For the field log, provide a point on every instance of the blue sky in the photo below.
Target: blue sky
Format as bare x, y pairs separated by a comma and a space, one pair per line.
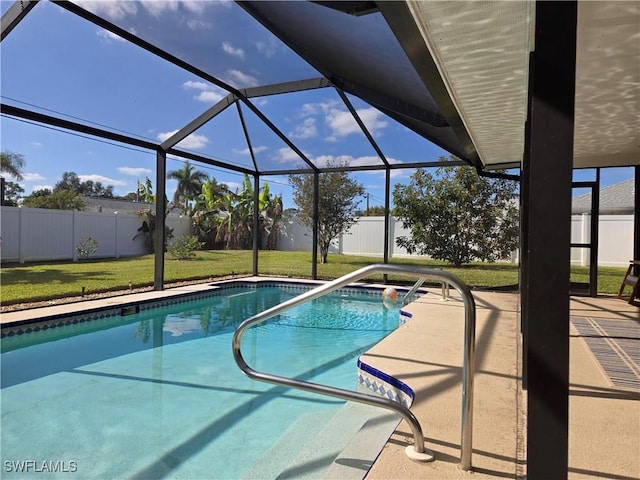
56, 63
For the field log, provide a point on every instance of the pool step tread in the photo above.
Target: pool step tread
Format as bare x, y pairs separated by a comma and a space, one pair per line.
355, 460
278, 457
318, 441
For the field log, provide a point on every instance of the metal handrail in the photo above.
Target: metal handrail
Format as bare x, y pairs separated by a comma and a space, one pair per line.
413, 290
468, 355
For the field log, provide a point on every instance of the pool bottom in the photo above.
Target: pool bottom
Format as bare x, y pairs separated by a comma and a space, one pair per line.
169, 401
173, 412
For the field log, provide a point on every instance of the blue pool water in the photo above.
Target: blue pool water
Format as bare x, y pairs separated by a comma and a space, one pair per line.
158, 395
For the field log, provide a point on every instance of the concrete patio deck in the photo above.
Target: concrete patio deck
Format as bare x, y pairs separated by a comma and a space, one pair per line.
604, 431
426, 354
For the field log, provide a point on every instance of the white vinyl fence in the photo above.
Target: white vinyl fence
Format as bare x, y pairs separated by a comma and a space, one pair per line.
615, 239
33, 234
37, 234
366, 237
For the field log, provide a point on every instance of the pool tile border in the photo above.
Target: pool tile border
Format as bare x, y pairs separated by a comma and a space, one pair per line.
384, 385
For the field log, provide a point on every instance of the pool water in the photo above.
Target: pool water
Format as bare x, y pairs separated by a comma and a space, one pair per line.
158, 394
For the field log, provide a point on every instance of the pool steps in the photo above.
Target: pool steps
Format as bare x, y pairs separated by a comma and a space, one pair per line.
332, 444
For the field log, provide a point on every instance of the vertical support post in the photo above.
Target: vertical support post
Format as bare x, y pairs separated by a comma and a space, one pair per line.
585, 237
256, 221
387, 188
524, 231
314, 247
548, 170
2, 191
636, 219
594, 239
161, 200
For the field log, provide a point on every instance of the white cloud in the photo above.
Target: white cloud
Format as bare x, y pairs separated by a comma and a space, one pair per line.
36, 144
197, 85
208, 93
268, 48
239, 79
372, 119
134, 171
197, 24
341, 122
210, 96
246, 151
102, 179
231, 50
112, 10
32, 177
119, 9
285, 155
192, 142
108, 36
307, 129
158, 8
324, 160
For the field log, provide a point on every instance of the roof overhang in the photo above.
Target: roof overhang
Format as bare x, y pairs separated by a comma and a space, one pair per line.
482, 53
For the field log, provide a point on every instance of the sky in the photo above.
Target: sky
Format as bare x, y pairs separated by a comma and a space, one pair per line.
56, 63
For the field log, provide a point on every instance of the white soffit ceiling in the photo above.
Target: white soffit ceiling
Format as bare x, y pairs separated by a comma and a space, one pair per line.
482, 48
607, 130
482, 52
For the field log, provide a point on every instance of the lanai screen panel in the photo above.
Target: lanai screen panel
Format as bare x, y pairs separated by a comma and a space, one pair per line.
73, 78
218, 38
361, 56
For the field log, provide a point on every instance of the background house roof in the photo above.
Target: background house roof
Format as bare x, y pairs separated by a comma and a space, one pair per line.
614, 200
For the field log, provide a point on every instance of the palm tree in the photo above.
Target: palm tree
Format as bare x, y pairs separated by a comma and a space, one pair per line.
12, 163
189, 186
206, 210
271, 212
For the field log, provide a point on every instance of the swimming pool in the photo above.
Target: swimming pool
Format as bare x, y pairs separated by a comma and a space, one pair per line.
156, 394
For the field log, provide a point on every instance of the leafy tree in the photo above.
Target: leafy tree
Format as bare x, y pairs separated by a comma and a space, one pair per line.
458, 216
337, 203
12, 194
374, 211
88, 188
189, 186
12, 164
56, 200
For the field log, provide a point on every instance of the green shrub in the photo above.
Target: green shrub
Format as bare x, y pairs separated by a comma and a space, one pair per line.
86, 246
183, 247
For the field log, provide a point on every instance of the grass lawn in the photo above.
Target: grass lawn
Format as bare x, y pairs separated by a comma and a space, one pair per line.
47, 281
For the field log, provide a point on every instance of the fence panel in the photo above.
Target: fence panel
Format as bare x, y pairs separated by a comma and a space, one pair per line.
33, 234
10, 234
46, 234
37, 234
615, 240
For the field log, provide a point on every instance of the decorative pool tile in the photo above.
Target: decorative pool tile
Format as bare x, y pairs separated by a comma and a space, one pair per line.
384, 385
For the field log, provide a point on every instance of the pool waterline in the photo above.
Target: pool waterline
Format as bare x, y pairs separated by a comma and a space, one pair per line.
142, 374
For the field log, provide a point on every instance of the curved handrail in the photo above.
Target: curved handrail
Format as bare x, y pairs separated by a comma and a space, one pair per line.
468, 357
